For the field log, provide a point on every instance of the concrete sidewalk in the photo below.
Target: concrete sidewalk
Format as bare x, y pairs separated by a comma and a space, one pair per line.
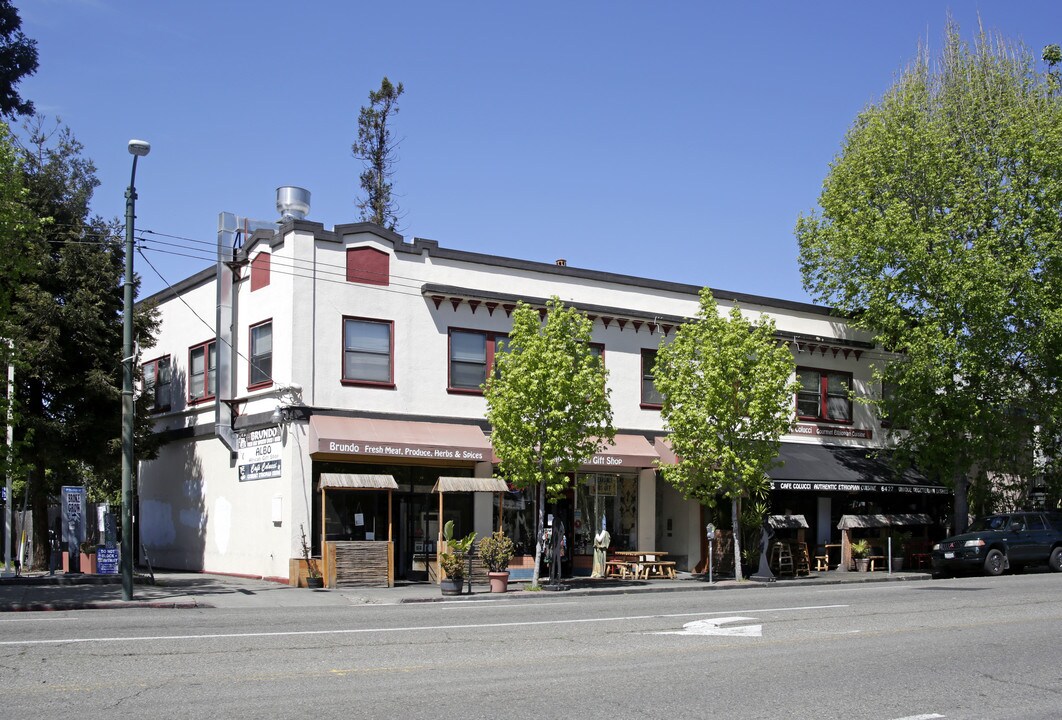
185, 590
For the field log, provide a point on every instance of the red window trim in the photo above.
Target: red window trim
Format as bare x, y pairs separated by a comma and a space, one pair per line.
250, 356
208, 394
824, 397
492, 340
343, 355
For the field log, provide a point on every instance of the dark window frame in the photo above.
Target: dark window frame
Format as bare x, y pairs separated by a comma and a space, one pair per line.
255, 362
491, 341
390, 383
647, 374
153, 385
207, 386
824, 396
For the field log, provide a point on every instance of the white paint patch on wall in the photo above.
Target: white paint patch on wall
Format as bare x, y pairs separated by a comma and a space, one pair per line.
222, 524
156, 524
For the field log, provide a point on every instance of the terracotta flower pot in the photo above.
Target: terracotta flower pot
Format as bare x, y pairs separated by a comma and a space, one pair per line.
499, 581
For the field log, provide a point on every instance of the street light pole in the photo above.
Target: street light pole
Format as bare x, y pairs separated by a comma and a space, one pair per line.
138, 149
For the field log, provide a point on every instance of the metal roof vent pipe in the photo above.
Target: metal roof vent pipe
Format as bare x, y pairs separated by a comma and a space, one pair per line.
293, 203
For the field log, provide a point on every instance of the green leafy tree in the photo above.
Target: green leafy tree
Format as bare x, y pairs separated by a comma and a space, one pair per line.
18, 59
939, 231
67, 326
376, 148
547, 404
728, 391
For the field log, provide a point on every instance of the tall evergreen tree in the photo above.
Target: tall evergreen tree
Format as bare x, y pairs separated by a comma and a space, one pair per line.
18, 59
67, 326
940, 232
376, 148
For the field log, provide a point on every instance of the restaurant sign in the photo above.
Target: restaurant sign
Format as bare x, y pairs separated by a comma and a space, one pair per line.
862, 487
259, 454
832, 431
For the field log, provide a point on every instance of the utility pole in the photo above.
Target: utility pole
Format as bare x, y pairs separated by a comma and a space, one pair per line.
138, 149
8, 572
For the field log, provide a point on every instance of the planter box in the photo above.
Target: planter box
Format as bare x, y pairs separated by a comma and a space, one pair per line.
88, 563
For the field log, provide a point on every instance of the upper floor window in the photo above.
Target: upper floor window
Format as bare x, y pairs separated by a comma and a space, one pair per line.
261, 356
651, 397
260, 270
824, 395
368, 265
367, 351
202, 371
157, 383
472, 356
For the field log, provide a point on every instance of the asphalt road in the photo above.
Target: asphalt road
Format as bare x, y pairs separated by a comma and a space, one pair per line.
964, 648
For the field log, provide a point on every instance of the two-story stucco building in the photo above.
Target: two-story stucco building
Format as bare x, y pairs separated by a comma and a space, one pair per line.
323, 381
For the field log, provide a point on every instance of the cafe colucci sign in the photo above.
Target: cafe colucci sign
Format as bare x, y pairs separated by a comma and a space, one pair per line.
861, 487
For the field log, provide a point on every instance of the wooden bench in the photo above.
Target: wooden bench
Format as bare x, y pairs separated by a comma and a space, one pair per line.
618, 568
876, 556
658, 568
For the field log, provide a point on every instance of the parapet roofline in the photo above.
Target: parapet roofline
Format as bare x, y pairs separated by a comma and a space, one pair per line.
420, 246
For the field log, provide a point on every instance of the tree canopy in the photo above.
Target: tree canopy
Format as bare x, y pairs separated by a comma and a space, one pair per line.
728, 389
939, 230
18, 59
66, 323
376, 148
547, 403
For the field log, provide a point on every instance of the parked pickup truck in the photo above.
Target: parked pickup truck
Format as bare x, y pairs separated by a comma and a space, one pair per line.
1008, 541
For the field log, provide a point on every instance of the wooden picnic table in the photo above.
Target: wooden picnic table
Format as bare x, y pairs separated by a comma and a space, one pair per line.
647, 564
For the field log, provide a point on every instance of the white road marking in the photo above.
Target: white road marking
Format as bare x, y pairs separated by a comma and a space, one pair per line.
711, 627
414, 628
928, 716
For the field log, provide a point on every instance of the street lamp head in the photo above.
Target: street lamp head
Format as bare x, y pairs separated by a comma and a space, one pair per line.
140, 148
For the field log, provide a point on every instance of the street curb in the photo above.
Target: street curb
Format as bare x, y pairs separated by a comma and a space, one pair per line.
104, 605
695, 585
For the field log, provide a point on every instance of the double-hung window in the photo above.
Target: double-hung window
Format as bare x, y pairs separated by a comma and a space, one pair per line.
651, 397
261, 372
472, 356
202, 371
157, 383
824, 395
367, 351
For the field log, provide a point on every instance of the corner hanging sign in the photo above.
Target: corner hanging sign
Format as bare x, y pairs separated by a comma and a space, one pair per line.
259, 454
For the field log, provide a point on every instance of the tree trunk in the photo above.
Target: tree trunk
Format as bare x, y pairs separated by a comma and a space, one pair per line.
539, 529
735, 511
962, 504
39, 505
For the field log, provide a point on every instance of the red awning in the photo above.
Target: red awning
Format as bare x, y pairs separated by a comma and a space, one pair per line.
628, 452
397, 439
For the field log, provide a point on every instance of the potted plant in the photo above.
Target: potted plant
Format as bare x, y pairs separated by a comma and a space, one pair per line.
860, 551
453, 560
496, 551
88, 557
313, 572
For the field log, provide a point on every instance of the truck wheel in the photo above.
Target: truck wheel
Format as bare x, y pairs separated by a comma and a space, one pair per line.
994, 562
1055, 561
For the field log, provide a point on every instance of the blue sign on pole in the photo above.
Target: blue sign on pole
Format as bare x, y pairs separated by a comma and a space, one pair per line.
107, 561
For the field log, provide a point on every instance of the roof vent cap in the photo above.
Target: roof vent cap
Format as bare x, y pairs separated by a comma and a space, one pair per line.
293, 203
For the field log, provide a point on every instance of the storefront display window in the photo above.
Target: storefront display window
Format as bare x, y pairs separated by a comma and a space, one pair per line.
611, 497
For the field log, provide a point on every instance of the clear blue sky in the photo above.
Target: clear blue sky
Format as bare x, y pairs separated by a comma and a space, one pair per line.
672, 140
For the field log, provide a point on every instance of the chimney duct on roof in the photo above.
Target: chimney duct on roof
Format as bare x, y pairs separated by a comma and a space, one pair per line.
293, 203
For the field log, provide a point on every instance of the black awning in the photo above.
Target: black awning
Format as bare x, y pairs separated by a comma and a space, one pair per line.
829, 468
